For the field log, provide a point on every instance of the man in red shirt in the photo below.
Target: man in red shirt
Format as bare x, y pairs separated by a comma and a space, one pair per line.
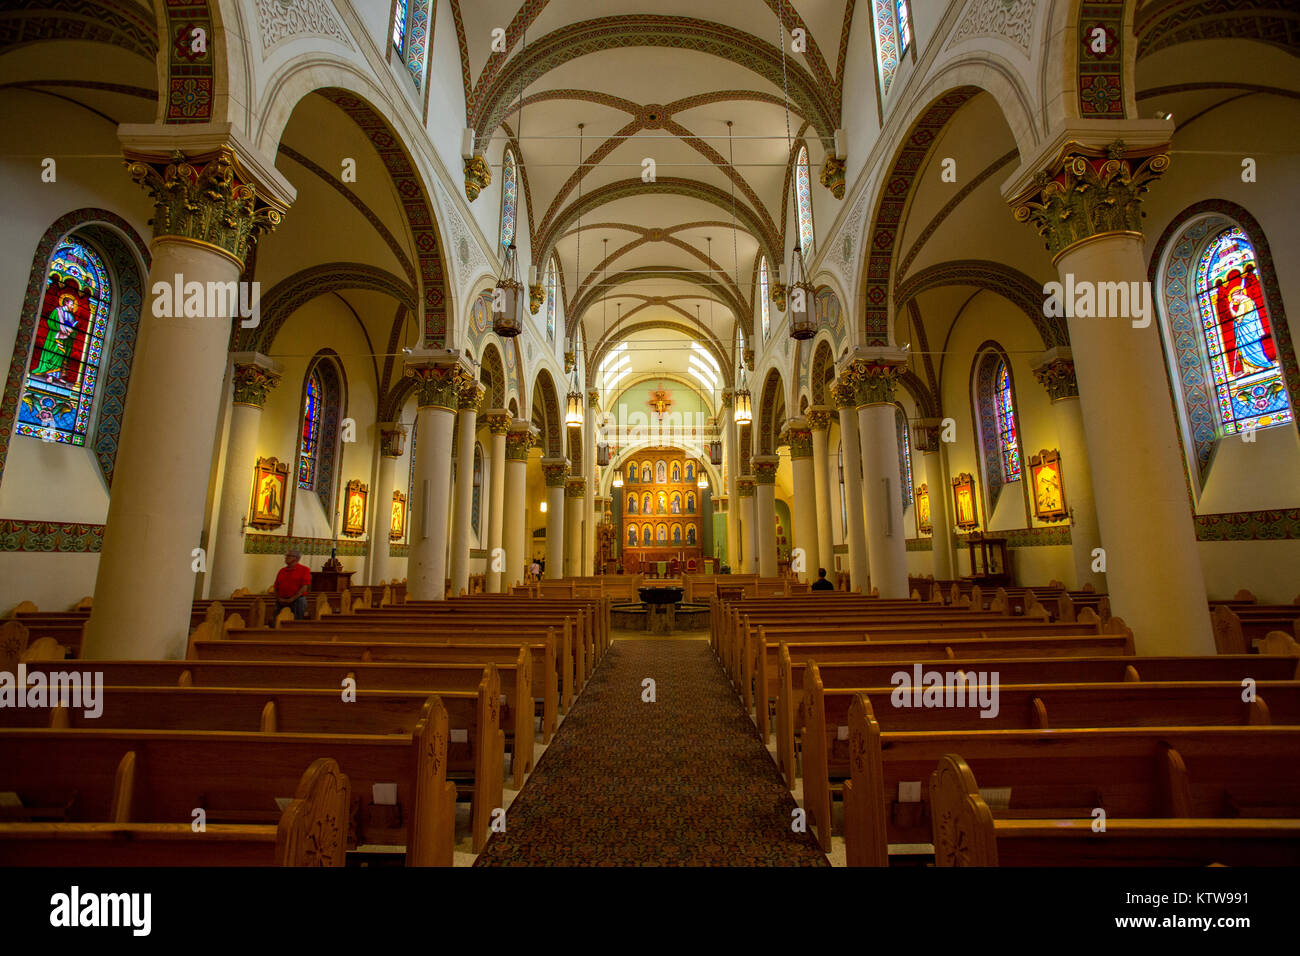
292, 583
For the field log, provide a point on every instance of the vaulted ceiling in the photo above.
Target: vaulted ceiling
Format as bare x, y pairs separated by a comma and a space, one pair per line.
698, 89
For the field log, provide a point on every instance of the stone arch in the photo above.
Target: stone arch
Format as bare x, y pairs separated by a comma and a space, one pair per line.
492, 373
616, 334
822, 373
126, 255
1006, 281
546, 413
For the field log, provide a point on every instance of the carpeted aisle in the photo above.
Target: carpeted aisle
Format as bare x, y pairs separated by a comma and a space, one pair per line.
681, 781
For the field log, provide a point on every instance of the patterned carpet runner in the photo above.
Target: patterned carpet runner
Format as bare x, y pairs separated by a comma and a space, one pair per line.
682, 781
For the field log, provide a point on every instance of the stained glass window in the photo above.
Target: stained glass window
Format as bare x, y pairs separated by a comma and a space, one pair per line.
1008, 439
399, 28
551, 296
904, 455
904, 25
1248, 385
887, 48
309, 441
803, 192
68, 341
417, 40
476, 508
509, 198
762, 297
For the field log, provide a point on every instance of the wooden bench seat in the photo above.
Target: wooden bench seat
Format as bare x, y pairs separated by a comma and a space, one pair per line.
968, 833
236, 776
1129, 772
308, 833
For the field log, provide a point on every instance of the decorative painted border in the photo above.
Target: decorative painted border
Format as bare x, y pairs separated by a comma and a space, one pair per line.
1100, 76
126, 269
1281, 525
279, 543
1025, 537
191, 76
50, 536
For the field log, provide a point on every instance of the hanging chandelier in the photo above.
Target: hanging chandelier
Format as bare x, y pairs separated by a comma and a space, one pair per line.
744, 409
744, 413
618, 479
703, 482
715, 452
508, 297
573, 403
799, 290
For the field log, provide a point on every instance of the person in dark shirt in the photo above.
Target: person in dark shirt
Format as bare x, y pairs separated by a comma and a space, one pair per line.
292, 583
821, 584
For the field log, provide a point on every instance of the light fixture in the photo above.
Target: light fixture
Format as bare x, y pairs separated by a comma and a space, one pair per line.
715, 452
703, 481
508, 298
602, 454
744, 410
543, 507
573, 401
618, 479
802, 324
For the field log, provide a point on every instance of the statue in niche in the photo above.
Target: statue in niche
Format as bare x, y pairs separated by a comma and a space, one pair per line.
677, 504
690, 504
645, 473
690, 471
677, 472
662, 536
645, 536
663, 503
631, 504
631, 536
677, 534
661, 473
690, 535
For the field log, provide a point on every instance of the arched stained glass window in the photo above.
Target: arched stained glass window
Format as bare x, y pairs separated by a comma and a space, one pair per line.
762, 297
888, 50
1248, 385
399, 28
68, 341
417, 38
904, 25
509, 198
309, 440
1008, 439
803, 195
904, 455
552, 294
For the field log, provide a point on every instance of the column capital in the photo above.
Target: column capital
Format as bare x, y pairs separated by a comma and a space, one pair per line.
536, 296
765, 469
254, 376
593, 399
832, 175
1087, 192
555, 471
800, 437
745, 486
873, 374
497, 420
575, 487
520, 439
210, 187
1055, 370
728, 396
471, 396
819, 417
925, 434
439, 377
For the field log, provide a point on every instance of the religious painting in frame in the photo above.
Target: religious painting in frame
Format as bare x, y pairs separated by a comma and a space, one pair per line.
397, 524
1048, 486
923, 522
963, 500
354, 508
270, 476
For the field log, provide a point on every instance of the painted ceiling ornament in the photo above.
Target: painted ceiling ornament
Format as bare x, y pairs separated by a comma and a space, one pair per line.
536, 296
1092, 192
478, 176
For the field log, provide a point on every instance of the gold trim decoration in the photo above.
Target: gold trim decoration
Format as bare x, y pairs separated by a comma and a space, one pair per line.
478, 176
964, 484
397, 520
252, 384
355, 497
832, 176
1057, 376
270, 485
873, 383
438, 386
1048, 486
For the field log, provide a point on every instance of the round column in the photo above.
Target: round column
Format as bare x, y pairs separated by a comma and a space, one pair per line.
498, 423
468, 401
254, 376
587, 533
519, 441
439, 378
731, 465
806, 532
392, 442
573, 503
874, 374
765, 512
1089, 210
207, 215
819, 421
555, 471
745, 526
925, 438
859, 569
1056, 373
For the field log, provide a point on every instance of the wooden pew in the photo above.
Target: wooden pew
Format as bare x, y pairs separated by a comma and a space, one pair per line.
968, 833
310, 832
476, 762
1130, 772
542, 655
846, 673
234, 776
515, 677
